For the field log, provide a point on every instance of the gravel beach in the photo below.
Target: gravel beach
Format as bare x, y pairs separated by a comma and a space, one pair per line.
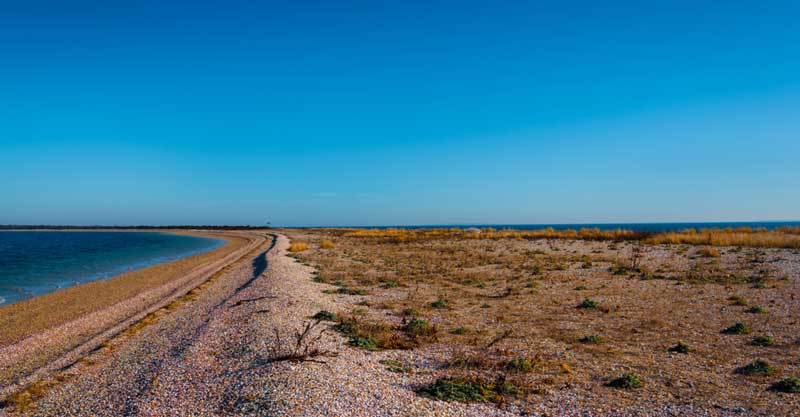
226, 349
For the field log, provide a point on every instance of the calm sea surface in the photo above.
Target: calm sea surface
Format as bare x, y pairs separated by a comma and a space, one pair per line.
35, 263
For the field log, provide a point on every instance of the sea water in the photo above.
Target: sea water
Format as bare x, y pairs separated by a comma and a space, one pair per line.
37, 262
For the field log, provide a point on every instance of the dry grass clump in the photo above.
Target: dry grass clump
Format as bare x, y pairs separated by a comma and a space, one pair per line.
326, 244
708, 252
785, 237
298, 247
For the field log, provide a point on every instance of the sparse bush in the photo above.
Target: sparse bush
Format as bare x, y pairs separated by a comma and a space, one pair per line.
519, 364
411, 312
298, 247
680, 348
737, 328
763, 341
325, 316
588, 303
418, 327
757, 309
591, 339
788, 385
440, 303
366, 343
326, 244
460, 330
626, 381
618, 269
758, 367
737, 300
395, 366
468, 390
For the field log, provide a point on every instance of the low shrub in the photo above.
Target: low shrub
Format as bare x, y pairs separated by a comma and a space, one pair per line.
763, 341
460, 330
468, 390
419, 327
737, 300
591, 339
325, 316
680, 348
626, 381
756, 309
737, 328
363, 342
788, 385
758, 367
519, 364
298, 247
326, 244
588, 303
440, 303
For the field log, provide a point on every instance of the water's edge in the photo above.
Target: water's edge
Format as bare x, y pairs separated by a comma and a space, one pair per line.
38, 289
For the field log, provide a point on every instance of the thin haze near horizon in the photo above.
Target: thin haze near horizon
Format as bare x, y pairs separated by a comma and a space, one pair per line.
365, 113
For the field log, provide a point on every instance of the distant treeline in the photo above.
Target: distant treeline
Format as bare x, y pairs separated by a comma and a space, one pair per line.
185, 227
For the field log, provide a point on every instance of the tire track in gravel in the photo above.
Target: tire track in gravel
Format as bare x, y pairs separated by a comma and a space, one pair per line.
118, 379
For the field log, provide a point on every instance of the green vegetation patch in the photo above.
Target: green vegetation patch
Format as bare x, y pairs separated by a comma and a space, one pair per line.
468, 390
440, 303
395, 366
626, 381
591, 339
788, 385
756, 309
763, 341
737, 328
519, 364
418, 327
325, 316
588, 303
366, 343
758, 367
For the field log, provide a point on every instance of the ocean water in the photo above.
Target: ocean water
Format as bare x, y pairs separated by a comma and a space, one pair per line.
34, 263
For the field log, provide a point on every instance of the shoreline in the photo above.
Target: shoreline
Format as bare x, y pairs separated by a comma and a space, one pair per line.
52, 330
114, 272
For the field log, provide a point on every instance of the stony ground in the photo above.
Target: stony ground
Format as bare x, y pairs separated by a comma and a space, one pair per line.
211, 357
233, 349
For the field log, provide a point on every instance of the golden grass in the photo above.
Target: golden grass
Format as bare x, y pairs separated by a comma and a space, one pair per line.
298, 247
410, 235
785, 237
326, 244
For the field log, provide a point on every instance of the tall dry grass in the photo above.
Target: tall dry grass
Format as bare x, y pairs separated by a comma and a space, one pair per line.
784, 237
410, 235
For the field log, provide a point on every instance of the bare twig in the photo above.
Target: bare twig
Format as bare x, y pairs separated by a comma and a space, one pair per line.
248, 300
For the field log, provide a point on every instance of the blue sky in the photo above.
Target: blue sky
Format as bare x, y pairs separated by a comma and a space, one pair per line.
369, 113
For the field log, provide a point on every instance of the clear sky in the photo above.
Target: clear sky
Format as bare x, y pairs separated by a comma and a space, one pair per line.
429, 112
